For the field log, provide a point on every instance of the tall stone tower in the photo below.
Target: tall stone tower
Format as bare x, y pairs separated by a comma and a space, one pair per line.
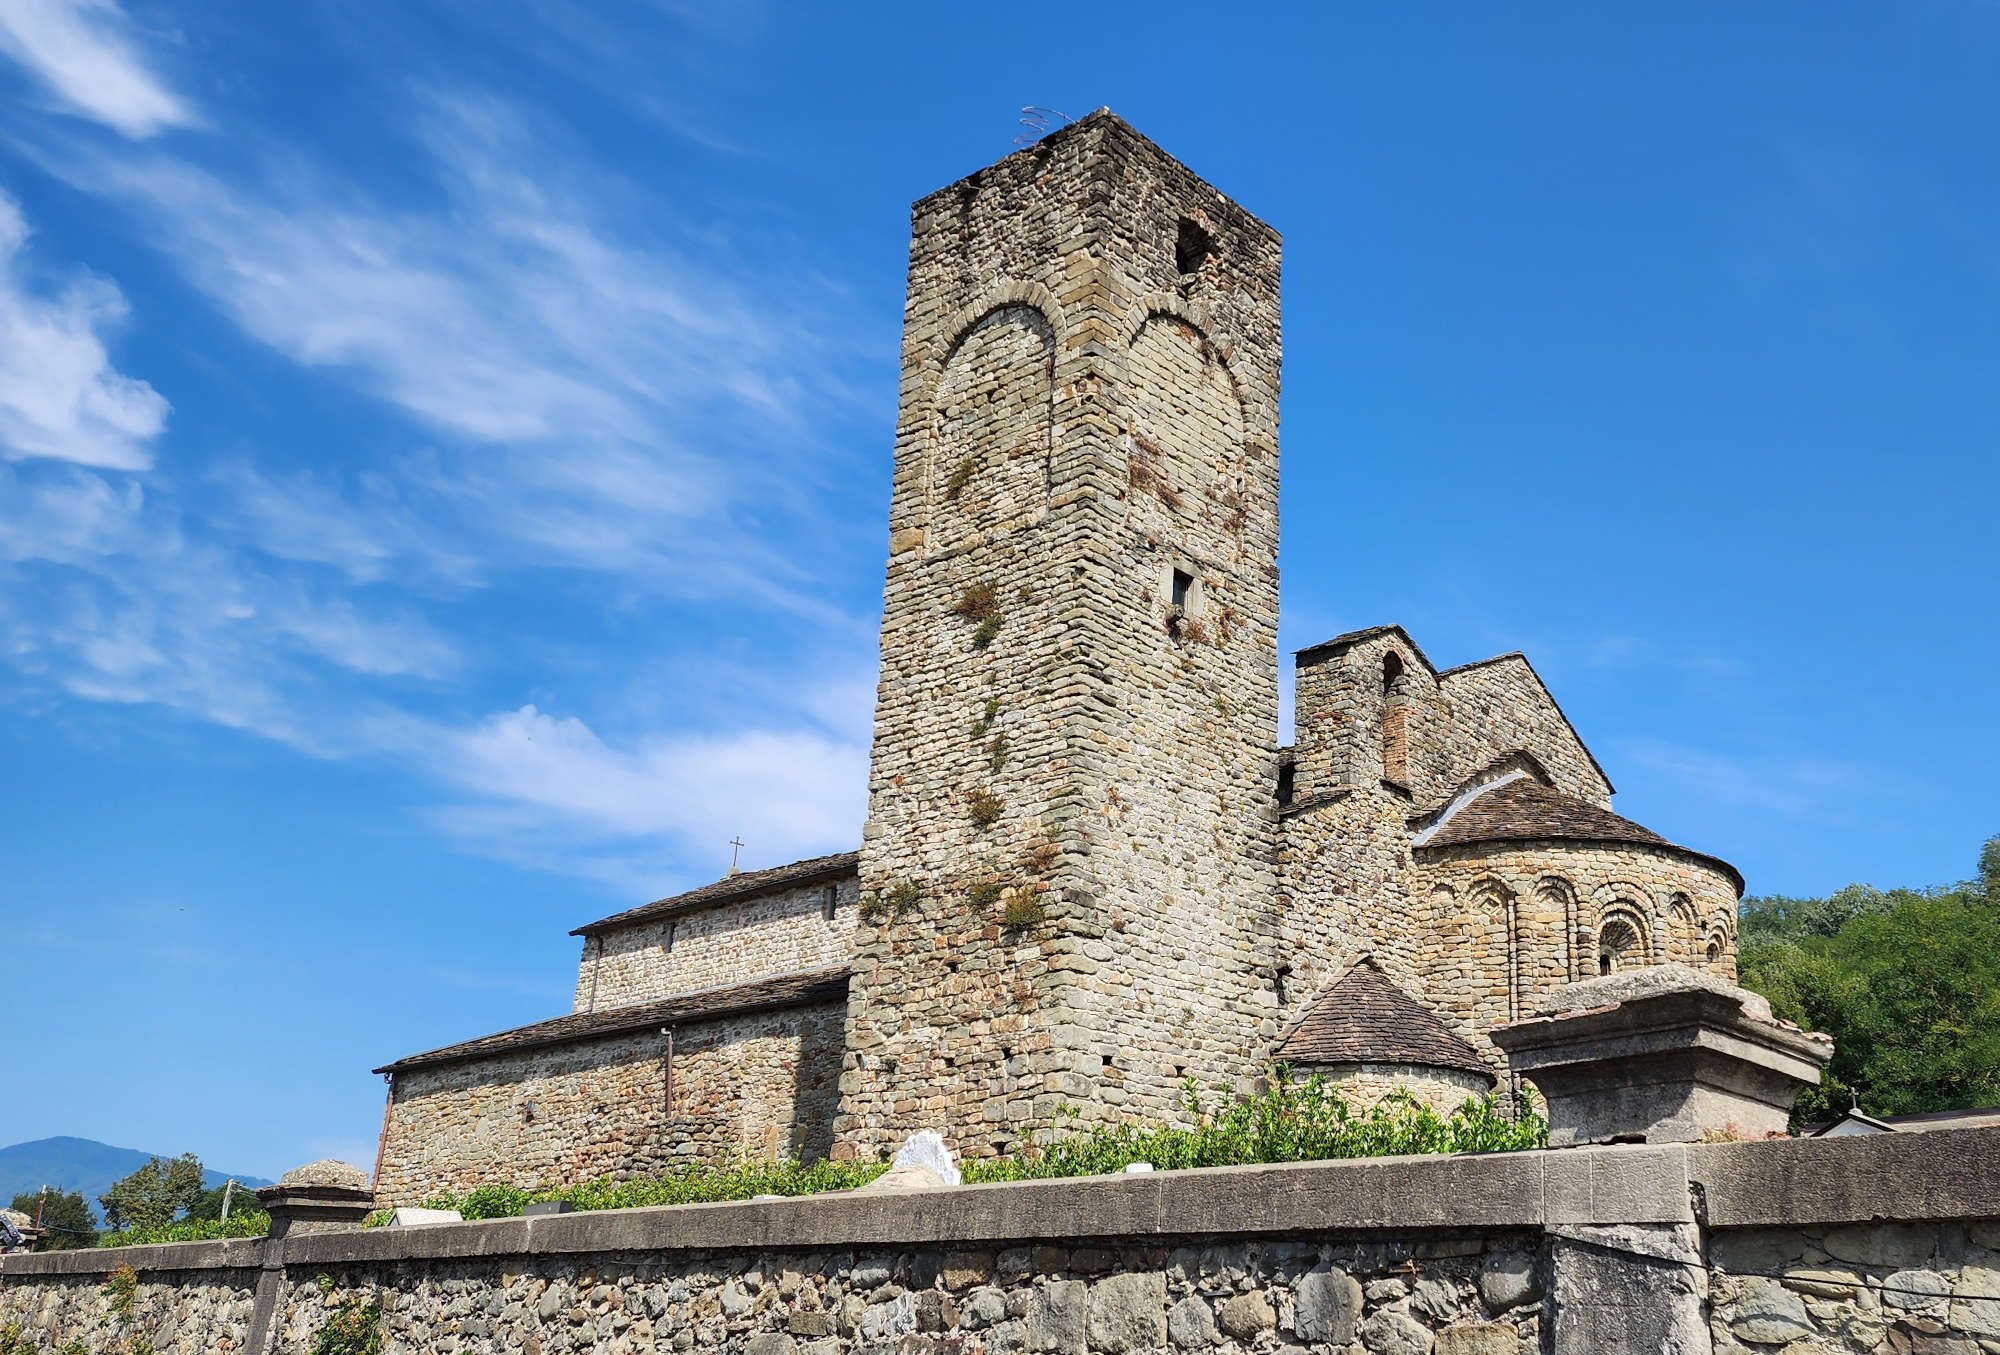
1070, 851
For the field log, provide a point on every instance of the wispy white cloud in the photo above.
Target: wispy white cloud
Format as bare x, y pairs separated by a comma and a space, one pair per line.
82, 52
590, 382
60, 396
549, 792
600, 401
107, 596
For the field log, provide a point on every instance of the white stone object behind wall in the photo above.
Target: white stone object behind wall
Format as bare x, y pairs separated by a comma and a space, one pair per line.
926, 1148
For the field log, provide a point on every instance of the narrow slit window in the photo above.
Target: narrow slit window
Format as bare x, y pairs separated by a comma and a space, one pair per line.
829, 903
668, 944
1183, 588
1191, 247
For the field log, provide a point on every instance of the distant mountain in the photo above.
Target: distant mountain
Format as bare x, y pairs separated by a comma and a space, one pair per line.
82, 1164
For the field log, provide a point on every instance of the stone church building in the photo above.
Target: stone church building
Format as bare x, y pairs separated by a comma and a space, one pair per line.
1089, 870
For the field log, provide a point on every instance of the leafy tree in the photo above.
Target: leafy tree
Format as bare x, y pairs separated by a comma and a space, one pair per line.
208, 1205
1774, 917
65, 1214
1906, 982
155, 1195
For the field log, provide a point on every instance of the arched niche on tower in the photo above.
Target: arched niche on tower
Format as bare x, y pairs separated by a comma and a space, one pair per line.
990, 445
1183, 436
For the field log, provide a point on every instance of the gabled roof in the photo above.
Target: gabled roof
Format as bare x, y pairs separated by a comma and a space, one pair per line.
1354, 637
1520, 809
1448, 674
744, 885
786, 990
1366, 1018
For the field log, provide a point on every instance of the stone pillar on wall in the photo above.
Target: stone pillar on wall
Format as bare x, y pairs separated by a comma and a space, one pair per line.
320, 1197
1663, 1054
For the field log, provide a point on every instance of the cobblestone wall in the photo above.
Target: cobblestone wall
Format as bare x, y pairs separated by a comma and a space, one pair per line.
1070, 841
760, 1085
169, 1313
719, 946
1906, 1289
1445, 1295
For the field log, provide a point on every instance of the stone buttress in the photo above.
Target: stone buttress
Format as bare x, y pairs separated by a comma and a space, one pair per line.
1070, 851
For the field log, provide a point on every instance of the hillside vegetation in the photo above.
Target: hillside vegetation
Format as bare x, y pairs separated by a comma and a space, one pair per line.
1906, 981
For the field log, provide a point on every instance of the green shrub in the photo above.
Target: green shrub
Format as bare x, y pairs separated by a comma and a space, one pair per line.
1292, 1122
354, 1329
985, 808
687, 1185
961, 476
248, 1223
122, 1288
1023, 911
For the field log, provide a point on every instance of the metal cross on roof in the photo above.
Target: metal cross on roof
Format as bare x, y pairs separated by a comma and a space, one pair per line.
736, 845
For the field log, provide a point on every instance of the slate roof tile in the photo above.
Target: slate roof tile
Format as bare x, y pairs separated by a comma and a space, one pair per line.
1367, 1018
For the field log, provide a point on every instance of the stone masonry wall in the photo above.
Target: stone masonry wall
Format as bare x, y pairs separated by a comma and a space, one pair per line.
759, 1085
1888, 1245
1475, 931
1494, 706
1904, 1289
195, 1312
1459, 721
1070, 840
718, 947
1448, 1295
1508, 922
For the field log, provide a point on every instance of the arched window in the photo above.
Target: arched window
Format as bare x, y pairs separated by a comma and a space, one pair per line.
1620, 945
1395, 720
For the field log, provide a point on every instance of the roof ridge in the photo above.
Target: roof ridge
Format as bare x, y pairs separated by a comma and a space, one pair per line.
744, 884
791, 989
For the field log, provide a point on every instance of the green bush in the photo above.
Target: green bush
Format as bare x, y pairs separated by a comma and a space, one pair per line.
1292, 1122
244, 1223
686, 1185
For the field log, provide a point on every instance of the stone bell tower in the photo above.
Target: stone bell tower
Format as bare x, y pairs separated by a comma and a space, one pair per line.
1070, 852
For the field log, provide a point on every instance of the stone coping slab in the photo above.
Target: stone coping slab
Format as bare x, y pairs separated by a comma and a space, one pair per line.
234, 1253
1947, 1174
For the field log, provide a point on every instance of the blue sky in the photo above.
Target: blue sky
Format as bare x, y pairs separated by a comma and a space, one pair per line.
444, 451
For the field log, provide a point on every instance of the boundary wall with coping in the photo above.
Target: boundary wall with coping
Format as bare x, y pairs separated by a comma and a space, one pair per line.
1863, 1244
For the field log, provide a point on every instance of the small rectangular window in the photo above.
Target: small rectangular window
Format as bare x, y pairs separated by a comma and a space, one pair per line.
668, 944
1183, 586
830, 902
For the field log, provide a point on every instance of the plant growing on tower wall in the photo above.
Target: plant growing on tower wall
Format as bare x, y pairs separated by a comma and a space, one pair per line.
902, 896
984, 808
1023, 910
980, 603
